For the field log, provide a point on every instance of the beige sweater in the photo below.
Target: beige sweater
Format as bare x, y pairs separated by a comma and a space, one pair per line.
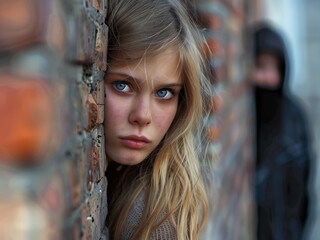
165, 231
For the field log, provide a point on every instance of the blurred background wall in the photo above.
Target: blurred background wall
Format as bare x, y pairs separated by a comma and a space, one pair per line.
226, 24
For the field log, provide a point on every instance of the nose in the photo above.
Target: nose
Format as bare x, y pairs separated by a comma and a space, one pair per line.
140, 113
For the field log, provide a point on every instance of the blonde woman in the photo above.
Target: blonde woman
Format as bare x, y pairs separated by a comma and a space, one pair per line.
156, 96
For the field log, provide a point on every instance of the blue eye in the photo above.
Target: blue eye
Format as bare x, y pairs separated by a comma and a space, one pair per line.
164, 94
122, 87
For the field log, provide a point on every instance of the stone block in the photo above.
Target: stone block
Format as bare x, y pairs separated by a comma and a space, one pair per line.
96, 10
101, 47
94, 212
92, 112
80, 33
100, 118
98, 95
84, 39
96, 155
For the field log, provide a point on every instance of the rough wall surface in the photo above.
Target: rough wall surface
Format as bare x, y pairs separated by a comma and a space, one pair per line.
52, 160
231, 129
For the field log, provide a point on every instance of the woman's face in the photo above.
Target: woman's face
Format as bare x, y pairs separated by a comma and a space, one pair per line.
140, 105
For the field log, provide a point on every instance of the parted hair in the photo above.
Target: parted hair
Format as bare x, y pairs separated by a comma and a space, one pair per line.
140, 29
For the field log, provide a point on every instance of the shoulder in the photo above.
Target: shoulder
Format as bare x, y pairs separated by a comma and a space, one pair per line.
294, 116
293, 108
165, 231
134, 216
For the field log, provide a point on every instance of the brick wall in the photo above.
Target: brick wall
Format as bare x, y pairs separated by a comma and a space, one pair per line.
52, 160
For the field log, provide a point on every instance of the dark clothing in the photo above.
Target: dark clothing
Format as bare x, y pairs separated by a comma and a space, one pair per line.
282, 163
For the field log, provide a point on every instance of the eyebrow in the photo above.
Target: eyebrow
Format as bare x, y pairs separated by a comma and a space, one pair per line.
124, 75
170, 85
165, 85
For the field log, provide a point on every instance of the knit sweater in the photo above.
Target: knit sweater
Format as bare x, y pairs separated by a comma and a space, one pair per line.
165, 231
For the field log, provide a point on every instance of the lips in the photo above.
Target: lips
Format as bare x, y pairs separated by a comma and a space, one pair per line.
135, 142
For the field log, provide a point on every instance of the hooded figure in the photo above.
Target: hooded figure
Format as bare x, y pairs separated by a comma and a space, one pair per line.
282, 163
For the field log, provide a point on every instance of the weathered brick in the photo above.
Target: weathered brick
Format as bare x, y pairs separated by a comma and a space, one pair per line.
100, 5
22, 23
92, 111
97, 159
101, 47
94, 212
80, 33
98, 95
100, 117
26, 118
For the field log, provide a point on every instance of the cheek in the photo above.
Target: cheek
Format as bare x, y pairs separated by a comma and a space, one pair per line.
163, 119
114, 112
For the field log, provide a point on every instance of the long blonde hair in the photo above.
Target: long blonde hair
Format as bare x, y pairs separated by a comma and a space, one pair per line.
171, 174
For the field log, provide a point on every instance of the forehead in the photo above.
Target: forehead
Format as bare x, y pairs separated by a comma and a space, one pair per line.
163, 67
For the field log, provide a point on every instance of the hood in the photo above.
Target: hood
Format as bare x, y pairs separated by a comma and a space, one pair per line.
269, 102
267, 39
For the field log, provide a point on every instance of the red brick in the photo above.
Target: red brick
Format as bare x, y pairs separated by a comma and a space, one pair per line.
92, 113
22, 22
26, 119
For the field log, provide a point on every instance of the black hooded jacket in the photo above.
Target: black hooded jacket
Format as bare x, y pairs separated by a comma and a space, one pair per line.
282, 162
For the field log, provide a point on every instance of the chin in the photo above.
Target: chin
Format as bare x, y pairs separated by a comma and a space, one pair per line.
129, 162
130, 159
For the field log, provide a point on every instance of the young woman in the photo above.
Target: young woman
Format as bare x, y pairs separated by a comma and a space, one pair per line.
156, 96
